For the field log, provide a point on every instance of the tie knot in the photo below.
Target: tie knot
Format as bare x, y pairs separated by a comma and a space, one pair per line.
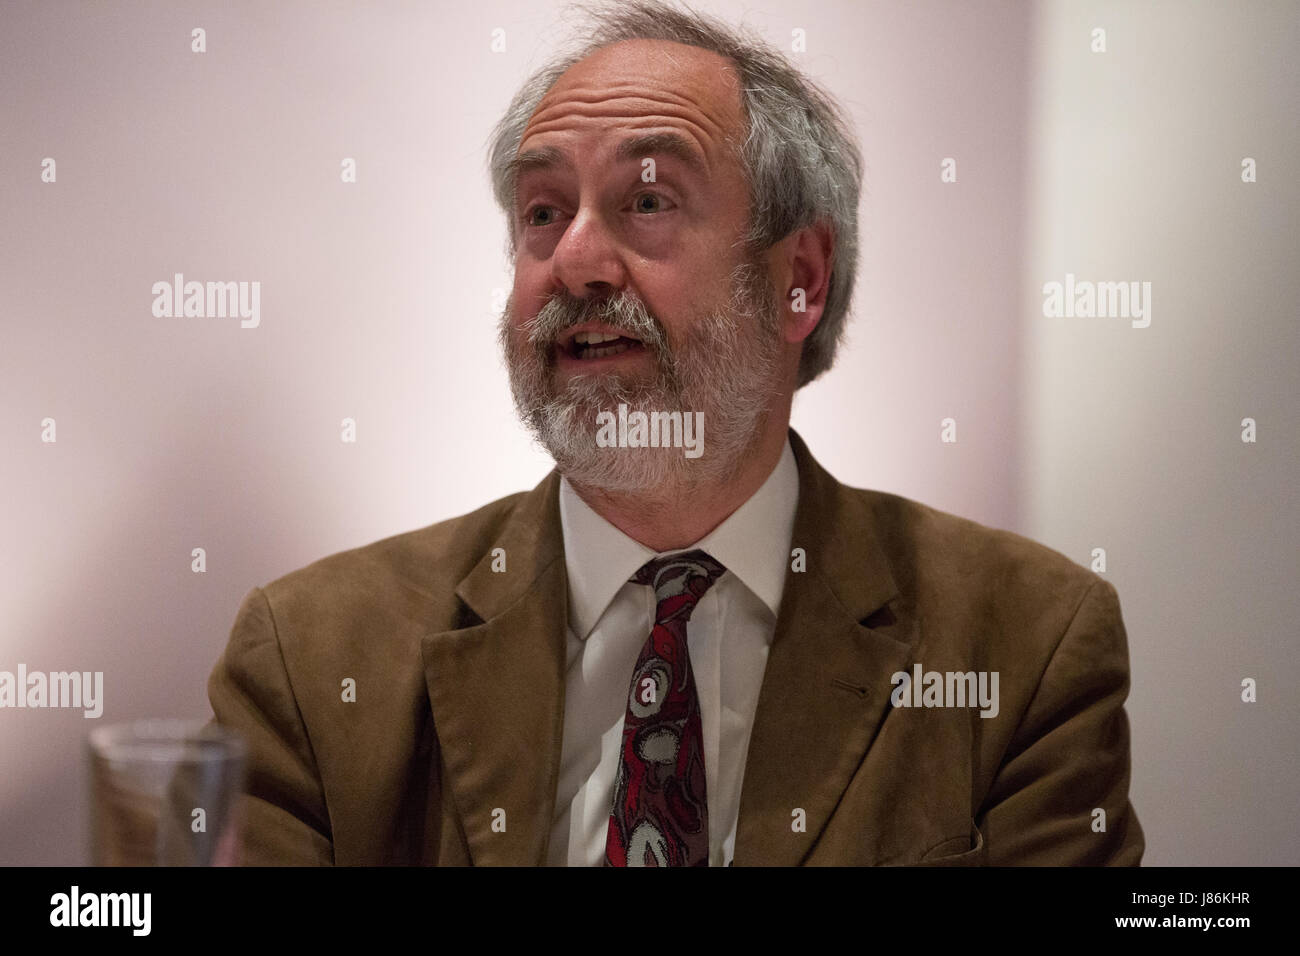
680, 577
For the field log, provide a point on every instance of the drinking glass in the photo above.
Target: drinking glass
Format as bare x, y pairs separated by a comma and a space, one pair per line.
165, 793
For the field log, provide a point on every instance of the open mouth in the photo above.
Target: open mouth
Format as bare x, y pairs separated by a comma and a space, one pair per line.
586, 346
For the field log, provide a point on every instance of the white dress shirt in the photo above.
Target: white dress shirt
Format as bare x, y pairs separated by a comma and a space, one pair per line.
728, 637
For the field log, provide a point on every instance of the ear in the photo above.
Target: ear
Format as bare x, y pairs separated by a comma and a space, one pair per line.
801, 267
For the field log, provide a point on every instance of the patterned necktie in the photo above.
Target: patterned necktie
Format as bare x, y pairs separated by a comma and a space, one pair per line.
660, 815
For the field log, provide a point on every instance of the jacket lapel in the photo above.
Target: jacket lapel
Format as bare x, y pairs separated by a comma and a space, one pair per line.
497, 687
827, 683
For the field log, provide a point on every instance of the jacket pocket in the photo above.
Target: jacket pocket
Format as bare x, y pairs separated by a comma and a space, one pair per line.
959, 851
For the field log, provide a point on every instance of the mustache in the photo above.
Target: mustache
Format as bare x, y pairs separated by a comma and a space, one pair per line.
624, 311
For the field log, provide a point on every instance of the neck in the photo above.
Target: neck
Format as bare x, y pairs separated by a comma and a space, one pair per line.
661, 523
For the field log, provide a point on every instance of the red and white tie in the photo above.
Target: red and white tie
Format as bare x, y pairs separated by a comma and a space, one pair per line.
660, 815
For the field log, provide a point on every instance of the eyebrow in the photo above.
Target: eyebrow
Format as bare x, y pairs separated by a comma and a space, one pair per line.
667, 144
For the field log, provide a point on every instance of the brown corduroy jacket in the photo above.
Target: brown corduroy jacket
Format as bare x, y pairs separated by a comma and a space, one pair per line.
449, 754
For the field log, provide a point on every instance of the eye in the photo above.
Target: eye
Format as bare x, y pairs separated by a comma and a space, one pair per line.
548, 216
656, 203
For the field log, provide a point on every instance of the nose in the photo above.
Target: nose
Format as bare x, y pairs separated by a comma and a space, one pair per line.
587, 260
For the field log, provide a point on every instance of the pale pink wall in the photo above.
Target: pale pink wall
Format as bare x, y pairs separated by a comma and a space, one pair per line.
377, 304
1132, 436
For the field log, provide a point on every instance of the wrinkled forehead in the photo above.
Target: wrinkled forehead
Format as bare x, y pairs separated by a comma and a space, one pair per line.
645, 82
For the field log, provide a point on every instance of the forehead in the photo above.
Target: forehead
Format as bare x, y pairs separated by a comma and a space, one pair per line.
643, 84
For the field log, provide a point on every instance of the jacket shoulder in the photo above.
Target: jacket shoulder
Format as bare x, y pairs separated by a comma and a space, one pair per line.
412, 574
943, 558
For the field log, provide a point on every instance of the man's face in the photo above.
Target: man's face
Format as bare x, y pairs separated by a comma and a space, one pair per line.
603, 251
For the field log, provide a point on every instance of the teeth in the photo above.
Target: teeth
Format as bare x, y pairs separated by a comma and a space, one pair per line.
609, 350
595, 338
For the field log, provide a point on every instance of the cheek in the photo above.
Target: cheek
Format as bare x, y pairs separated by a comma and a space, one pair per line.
530, 278
676, 297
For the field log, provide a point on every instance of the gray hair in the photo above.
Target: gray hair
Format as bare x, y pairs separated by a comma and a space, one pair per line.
799, 159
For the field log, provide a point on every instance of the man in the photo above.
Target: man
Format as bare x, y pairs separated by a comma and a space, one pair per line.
689, 645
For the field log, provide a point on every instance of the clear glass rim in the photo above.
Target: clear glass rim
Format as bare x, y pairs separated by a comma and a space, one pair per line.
157, 739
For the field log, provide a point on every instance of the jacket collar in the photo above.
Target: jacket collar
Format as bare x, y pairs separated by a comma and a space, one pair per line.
497, 687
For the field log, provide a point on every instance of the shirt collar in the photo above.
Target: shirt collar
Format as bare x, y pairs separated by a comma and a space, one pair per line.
753, 543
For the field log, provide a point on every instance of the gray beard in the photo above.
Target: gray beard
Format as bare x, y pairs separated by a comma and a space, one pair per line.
726, 369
